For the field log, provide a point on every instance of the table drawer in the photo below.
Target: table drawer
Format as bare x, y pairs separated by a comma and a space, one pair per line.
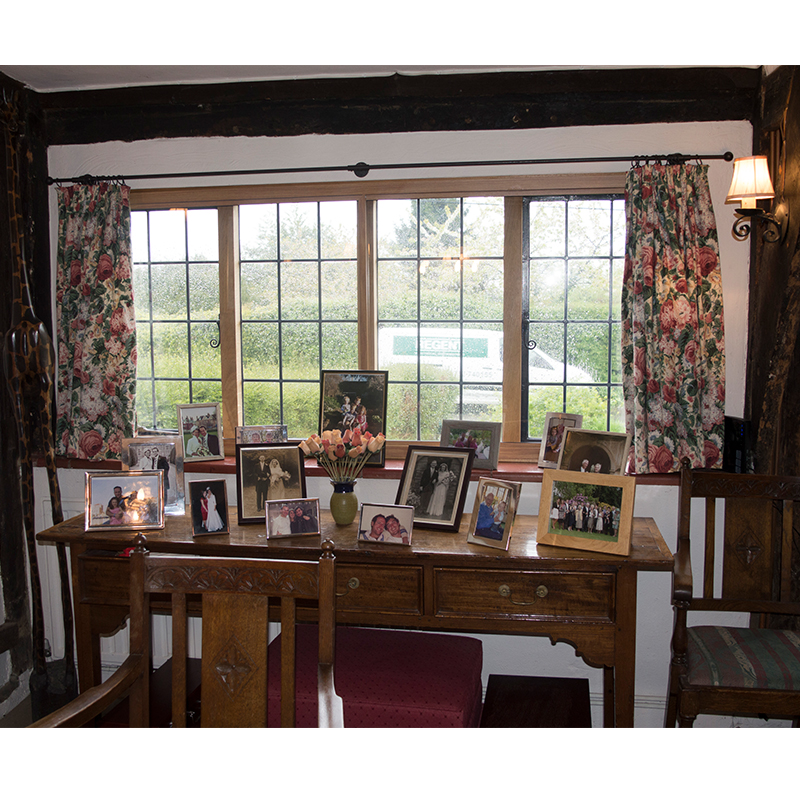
500, 593
376, 588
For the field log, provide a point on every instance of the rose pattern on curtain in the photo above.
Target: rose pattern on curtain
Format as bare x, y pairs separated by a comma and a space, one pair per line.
673, 342
96, 376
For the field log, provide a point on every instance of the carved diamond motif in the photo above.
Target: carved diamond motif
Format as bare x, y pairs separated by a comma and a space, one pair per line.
233, 666
748, 548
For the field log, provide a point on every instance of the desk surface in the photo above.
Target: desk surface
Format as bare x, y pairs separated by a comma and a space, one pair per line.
649, 552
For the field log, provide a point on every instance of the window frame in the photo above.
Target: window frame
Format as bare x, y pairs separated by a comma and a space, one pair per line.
513, 188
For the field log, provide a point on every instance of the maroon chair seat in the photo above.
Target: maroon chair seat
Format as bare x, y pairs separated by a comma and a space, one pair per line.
387, 679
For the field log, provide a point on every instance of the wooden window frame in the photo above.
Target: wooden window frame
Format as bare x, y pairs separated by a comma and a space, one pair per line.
227, 199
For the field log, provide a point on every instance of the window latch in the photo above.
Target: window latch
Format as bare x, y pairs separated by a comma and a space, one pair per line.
526, 328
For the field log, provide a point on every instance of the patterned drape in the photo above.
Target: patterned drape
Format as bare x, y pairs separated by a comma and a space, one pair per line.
96, 380
673, 345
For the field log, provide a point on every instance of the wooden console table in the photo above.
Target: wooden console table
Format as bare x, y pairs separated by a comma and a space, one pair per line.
440, 582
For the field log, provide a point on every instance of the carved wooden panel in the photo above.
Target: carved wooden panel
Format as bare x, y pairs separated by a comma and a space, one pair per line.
750, 526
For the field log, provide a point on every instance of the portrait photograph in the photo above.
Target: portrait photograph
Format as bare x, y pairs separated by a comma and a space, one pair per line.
603, 452
208, 501
292, 517
435, 481
267, 472
586, 511
482, 437
555, 427
200, 427
132, 500
164, 453
355, 401
385, 524
261, 434
493, 515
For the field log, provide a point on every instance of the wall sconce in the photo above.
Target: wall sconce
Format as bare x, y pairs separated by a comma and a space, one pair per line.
750, 183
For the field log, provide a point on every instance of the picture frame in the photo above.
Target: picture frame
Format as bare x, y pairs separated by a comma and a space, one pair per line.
355, 399
555, 424
600, 452
139, 497
293, 518
483, 437
560, 523
208, 506
427, 469
396, 531
164, 452
258, 479
261, 434
494, 512
200, 426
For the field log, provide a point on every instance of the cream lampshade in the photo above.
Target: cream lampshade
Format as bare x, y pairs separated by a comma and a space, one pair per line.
750, 182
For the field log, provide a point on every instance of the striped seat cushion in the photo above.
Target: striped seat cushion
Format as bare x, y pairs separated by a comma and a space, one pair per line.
744, 658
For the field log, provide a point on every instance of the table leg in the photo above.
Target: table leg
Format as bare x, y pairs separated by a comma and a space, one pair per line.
625, 648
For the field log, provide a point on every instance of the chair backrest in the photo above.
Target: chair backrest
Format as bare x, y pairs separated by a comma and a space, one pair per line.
755, 568
235, 596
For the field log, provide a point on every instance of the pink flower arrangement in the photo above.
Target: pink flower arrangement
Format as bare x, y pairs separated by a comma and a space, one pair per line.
342, 455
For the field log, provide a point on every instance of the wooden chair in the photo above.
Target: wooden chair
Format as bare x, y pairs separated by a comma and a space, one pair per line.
235, 597
717, 669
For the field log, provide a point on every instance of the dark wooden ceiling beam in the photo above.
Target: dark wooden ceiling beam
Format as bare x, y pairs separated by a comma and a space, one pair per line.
399, 103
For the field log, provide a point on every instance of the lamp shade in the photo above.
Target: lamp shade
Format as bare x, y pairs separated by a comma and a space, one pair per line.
751, 181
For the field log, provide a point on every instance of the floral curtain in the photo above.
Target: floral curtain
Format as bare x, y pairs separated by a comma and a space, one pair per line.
96, 379
673, 345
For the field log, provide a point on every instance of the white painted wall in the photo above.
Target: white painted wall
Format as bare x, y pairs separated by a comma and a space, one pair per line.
502, 654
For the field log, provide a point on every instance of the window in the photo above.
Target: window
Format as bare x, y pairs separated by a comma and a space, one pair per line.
574, 250
430, 287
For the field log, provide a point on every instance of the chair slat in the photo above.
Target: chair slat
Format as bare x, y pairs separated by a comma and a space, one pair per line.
179, 660
288, 656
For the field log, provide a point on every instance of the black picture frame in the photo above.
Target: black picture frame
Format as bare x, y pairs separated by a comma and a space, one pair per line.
420, 479
369, 386
254, 488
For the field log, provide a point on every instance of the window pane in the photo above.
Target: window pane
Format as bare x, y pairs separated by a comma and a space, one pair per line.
589, 228
541, 400
440, 289
397, 228
338, 235
402, 404
258, 232
547, 282
618, 210
587, 353
168, 286
205, 357
437, 403
397, 290
483, 289
298, 230
482, 402
484, 219
339, 290
203, 234
440, 228
171, 350
167, 236
300, 350
397, 351
259, 291
547, 228
592, 402
301, 408
168, 395
588, 289
260, 359
140, 275
262, 403
204, 291
299, 291
339, 345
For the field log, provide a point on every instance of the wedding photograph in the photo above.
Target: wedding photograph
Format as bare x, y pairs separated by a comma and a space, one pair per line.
267, 472
208, 501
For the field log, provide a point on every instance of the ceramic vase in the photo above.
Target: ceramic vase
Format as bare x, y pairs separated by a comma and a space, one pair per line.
344, 503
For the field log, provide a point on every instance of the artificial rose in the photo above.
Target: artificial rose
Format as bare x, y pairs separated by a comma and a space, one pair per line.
376, 443
90, 444
339, 450
305, 448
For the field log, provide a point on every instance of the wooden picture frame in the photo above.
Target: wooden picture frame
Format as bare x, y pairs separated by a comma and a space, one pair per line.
555, 424
494, 512
208, 506
164, 452
261, 434
124, 501
397, 526
293, 518
200, 426
567, 491
483, 437
351, 399
599, 452
428, 468
258, 479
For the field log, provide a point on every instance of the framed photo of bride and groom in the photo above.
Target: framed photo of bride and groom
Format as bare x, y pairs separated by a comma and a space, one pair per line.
435, 481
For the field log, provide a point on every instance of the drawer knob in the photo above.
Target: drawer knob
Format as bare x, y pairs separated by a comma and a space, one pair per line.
353, 583
505, 591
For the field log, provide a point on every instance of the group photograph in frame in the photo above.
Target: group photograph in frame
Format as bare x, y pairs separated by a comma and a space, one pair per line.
293, 517
261, 434
267, 472
125, 501
200, 426
164, 453
493, 515
482, 437
386, 524
600, 452
435, 481
556, 424
354, 400
208, 504
586, 511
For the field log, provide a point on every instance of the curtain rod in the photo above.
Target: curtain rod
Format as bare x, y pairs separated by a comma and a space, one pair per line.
361, 169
